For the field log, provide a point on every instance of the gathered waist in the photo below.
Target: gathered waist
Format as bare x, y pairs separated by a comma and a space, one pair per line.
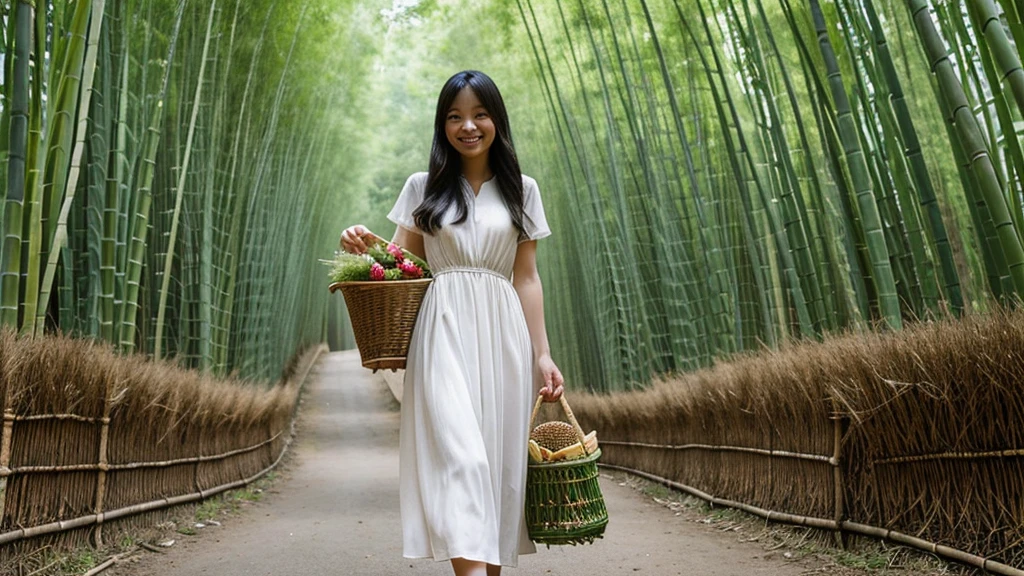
470, 270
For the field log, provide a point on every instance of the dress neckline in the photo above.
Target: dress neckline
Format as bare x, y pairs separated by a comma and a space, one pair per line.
482, 184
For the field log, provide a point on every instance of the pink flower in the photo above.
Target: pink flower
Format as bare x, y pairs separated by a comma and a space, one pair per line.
396, 252
376, 271
410, 270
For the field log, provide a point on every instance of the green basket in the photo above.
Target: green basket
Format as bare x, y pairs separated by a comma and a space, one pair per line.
564, 504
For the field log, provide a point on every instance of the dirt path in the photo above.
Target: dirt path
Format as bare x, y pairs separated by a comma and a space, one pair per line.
336, 511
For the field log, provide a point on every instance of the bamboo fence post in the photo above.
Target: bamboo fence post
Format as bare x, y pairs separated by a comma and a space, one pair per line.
101, 474
837, 474
6, 438
199, 460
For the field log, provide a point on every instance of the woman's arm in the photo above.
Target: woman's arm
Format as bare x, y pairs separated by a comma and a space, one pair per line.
411, 241
527, 283
352, 240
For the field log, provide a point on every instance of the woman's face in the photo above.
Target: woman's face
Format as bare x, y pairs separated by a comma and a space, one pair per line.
468, 126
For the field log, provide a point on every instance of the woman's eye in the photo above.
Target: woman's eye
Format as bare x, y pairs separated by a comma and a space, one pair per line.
482, 115
453, 117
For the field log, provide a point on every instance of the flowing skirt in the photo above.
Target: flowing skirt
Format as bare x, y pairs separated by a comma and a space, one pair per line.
465, 415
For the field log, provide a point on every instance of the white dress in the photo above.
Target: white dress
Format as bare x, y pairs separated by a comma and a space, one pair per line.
468, 385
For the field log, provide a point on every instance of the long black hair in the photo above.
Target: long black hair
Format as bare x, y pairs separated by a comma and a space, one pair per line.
444, 186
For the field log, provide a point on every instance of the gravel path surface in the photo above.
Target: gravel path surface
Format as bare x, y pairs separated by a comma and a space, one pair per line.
335, 511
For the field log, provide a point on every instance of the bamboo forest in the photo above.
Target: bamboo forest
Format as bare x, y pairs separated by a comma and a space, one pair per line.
784, 274
719, 176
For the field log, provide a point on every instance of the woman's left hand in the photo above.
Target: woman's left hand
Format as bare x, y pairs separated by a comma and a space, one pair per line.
552, 378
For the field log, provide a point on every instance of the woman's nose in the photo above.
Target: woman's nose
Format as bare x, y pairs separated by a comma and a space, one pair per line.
468, 125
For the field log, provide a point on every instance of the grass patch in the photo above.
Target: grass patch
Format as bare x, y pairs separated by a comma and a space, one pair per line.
51, 563
82, 561
183, 522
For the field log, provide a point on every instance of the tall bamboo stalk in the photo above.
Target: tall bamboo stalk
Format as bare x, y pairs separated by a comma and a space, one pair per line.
912, 149
1006, 59
10, 259
969, 133
882, 271
88, 73
139, 223
179, 189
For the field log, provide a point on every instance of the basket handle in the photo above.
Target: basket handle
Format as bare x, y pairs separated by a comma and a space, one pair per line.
568, 414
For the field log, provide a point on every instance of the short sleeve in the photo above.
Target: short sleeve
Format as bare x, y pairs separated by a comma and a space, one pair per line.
534, 220
409, 199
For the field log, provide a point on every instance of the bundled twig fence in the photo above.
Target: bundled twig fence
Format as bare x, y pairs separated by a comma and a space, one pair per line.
913, 436
90, 437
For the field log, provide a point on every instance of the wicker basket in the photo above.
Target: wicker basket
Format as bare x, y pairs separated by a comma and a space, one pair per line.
383, 315
564, 504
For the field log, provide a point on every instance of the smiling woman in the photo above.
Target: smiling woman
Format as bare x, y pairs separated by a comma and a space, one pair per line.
479, 350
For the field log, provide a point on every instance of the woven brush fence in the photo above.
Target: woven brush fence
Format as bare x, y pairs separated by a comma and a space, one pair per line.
90, 437
915, 436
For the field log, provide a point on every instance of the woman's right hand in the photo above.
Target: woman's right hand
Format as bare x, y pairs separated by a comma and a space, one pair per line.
352, 239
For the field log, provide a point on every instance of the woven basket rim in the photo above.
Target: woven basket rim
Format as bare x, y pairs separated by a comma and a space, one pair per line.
335, 286
592, 457
381, 282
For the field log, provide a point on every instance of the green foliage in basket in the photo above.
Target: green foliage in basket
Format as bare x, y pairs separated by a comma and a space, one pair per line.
380, 254
349, 268
382, 261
